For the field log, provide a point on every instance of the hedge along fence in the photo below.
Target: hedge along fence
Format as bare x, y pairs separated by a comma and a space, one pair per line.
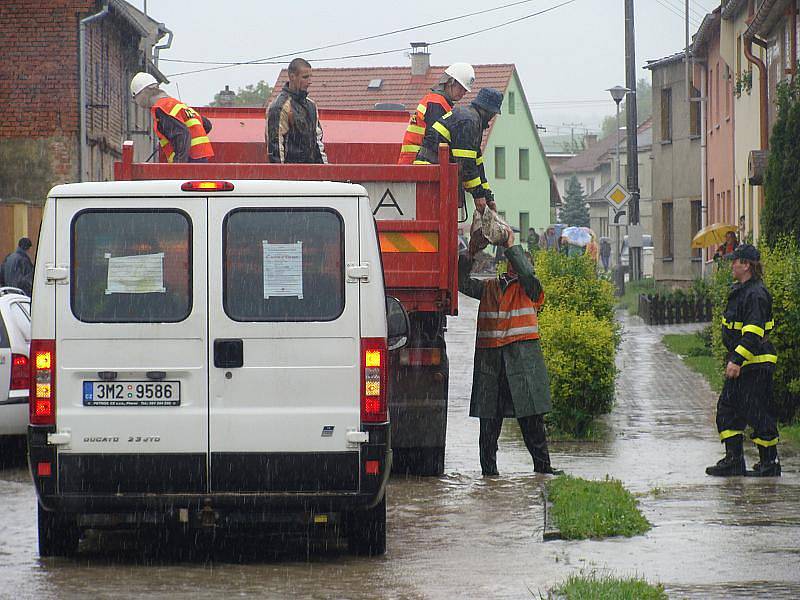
782, 279
579, 339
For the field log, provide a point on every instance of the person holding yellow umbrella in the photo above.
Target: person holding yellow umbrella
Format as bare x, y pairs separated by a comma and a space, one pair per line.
727, 247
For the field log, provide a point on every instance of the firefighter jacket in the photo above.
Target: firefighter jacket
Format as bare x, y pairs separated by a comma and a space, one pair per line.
746, 325
182, 132
505, 307
430, 109
462, 130
294, 133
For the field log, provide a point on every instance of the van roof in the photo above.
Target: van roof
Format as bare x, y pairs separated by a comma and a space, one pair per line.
241, 187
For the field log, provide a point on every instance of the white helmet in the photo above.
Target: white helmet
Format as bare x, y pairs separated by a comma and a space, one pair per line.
141, 81
463, 73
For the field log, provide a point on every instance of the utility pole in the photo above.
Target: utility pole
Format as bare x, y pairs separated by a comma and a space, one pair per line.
633, 148
572, 127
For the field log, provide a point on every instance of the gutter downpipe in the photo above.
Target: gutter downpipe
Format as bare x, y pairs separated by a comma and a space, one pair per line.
83, 156
703, 163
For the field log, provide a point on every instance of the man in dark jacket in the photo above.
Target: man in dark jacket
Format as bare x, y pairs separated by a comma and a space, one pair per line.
510, 378
746, 397
294, 134
17, 268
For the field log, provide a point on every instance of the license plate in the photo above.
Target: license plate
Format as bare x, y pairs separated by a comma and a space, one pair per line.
131, 393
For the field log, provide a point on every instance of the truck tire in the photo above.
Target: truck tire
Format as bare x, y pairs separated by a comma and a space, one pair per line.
58, 535
366, 530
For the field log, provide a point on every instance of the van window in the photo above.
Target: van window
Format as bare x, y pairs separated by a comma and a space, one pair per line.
131, 266
283, 265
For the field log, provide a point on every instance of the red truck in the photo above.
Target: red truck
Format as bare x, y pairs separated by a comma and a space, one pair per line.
417, 212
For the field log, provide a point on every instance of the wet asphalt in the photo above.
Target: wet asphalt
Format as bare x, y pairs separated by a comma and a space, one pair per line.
462, 536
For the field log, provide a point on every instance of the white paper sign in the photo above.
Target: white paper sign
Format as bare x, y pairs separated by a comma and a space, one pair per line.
283, 269
140, 274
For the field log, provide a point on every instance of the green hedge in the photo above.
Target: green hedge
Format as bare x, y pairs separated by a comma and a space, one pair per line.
782, 278
579, 353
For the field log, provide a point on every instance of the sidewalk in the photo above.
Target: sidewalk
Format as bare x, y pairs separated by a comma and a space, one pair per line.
712, 537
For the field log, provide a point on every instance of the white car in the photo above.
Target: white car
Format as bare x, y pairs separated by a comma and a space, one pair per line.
15, 339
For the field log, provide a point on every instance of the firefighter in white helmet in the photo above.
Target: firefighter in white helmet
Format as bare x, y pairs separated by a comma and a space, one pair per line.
182, 131
456, 81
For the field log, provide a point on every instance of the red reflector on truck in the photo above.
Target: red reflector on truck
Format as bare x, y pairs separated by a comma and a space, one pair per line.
419, 357
44, 469
371, 467
207, 186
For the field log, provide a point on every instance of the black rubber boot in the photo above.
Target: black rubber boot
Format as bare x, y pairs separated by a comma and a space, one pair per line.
541, 460
768, 464
732, 464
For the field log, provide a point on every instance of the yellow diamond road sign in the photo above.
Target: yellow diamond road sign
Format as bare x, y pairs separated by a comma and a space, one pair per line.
617, 196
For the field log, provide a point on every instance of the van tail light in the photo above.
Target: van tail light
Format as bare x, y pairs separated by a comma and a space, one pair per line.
374, 367
42, 399
20, 375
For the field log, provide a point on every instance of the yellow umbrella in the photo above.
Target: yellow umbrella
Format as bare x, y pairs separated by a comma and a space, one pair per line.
711, 235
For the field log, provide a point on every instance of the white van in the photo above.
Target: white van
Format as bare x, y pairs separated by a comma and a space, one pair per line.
207, 351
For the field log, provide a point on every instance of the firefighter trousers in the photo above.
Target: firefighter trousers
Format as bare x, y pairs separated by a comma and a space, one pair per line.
747, 400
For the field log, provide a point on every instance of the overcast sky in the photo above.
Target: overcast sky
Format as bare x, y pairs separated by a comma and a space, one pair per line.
566, 58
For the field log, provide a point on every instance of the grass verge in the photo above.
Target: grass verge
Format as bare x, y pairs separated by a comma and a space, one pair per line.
607, 587
693, 350
790, 433
594, 509
630, 299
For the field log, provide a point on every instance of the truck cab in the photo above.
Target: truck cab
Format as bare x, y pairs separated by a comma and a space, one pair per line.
209, 350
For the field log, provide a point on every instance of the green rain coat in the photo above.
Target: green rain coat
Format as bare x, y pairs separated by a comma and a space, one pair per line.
528, 390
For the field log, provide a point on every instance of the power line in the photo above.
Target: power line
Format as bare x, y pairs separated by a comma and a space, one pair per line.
681, 8
676, 12
377, 53
353, 41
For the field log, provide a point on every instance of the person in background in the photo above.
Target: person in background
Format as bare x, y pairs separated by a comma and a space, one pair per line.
17, 268
510, 377
456, 81
182, 131
605, 252
533, 240
294, 133
549, 241
726, 248
592, 249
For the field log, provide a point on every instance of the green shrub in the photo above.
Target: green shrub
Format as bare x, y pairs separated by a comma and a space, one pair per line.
579, 353
608, 587
572, 282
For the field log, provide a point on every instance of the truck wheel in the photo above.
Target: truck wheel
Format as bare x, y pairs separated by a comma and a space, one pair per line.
366, 530
58, 535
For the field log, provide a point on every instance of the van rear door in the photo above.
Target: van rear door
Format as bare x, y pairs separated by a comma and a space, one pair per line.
131, 347
284, 339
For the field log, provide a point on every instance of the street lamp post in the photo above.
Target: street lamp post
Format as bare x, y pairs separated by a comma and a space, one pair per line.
617, 94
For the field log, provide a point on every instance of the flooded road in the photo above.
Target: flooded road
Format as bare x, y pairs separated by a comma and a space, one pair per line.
460, 536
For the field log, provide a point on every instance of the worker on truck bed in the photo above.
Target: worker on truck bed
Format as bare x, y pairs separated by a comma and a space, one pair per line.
462, 130
456, 81
182, 131
510, 377
294, 134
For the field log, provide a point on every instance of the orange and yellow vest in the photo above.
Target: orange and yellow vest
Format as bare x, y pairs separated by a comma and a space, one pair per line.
200, 146
505, 318
412, 140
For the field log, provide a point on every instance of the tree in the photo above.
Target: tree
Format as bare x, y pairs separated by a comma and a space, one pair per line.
644, 109
249, 95
781, 213
575, 211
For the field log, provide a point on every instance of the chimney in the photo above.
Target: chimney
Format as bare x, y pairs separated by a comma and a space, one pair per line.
226, 97
589, 140
420, 58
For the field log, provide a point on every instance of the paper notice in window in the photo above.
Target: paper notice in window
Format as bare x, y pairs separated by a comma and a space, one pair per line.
283, 269
141, 274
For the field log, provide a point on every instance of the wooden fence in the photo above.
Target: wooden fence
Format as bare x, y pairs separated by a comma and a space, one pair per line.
657, 309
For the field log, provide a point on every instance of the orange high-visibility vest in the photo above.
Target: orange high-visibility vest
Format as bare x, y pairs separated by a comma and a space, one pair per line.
201, 145
505, 318
412, 140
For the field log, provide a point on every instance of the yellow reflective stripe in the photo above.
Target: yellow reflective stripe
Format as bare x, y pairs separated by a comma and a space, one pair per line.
163, 141
472, 183
447, 115
729, 433
750, 358
409, 148
176, 109
442, 130
422, 108
458, 152
479, 160
192, 122
729, 325
416, 129
753, 329
421, 162
766, 443
742, 351
485, 185
769, 325
200, 140
171, 157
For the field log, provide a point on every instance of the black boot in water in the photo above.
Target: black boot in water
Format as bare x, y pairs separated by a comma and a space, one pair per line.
768, 464
732, 464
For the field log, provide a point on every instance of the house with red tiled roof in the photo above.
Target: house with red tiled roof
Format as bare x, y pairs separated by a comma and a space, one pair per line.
515, 161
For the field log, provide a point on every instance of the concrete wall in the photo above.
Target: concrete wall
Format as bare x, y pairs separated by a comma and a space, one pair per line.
514, 195
676, 180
